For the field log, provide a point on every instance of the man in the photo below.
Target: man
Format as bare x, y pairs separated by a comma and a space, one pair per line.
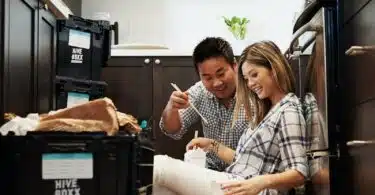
213, 96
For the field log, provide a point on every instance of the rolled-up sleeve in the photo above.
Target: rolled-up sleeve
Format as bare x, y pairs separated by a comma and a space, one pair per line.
187, 116
292, 141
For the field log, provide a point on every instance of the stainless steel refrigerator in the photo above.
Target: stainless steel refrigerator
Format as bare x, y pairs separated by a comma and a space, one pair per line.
313, 56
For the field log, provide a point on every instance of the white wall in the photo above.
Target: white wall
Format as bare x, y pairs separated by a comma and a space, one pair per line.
181, 24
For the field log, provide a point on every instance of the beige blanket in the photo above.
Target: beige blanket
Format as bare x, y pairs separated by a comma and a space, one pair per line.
95, 116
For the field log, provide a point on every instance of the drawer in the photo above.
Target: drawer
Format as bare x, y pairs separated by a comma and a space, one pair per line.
359, 122
361, 170
358, 71
360, 30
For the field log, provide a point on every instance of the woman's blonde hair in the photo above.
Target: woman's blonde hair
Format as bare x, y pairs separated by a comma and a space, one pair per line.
268, 55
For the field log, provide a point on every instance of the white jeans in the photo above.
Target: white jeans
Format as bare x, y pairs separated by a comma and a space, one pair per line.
172, 176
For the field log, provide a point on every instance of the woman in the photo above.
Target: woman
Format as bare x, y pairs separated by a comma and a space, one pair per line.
271, 158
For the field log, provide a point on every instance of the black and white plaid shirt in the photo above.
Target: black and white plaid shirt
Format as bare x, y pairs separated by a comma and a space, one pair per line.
277, 144
219, 120
317, 133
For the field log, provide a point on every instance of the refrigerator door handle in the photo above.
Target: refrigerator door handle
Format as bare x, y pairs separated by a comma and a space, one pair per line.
360, 50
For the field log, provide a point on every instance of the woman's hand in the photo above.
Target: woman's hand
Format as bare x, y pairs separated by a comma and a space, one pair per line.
200, 142
251, 186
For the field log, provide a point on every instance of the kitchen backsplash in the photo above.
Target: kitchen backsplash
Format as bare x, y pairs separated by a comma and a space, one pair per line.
181, 24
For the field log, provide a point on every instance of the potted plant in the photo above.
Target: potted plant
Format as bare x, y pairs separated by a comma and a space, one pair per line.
237, 26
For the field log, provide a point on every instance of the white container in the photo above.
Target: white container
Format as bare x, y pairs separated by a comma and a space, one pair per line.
216, 188
197, 157
101, 16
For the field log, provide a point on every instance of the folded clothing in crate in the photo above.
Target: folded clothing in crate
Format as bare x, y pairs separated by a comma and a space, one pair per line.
128, 122
95, 116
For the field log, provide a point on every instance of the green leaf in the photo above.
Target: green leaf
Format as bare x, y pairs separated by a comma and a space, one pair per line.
244, 21
236, 20
243, 33
227, 21
237, 26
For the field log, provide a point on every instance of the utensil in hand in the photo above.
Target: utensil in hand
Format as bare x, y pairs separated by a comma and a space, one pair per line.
195, 136
194, 108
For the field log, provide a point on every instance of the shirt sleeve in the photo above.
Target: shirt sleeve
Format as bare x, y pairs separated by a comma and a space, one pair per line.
187, 116
292, 140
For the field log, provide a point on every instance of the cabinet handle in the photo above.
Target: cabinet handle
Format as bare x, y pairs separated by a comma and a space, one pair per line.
359, 50
358, 143
147, 61
157, 61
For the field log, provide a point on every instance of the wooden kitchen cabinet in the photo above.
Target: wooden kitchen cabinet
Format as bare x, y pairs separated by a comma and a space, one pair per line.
141, 86
27, 57
178, 70
357, 99
130, 85
47, 40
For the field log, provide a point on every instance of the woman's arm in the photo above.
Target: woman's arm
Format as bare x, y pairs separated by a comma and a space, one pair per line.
283, 181
223, 152
291, 139
279, 181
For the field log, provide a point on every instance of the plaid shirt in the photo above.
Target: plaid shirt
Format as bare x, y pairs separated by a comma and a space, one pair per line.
276, 145
219, 120
316, 132
315, 125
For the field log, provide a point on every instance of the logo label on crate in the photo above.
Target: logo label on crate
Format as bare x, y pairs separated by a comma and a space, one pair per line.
79, 39
67, 187
77, 56
75, 99
67, 166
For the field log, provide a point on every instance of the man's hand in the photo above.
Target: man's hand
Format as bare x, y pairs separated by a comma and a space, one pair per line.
179, 100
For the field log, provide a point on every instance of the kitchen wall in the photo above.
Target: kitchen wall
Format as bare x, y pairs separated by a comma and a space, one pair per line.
75, 6
181, 24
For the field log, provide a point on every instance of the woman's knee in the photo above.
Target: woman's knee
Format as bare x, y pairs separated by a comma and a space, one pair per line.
159, 167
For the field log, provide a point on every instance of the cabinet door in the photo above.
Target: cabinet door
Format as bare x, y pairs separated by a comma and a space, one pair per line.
178, 70
358, 70
46, 60
129, 82
358, 100
20, 50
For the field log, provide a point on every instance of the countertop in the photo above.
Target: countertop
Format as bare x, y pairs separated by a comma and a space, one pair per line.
149, 52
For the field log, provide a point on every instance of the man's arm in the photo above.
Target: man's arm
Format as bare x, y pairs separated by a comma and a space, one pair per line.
171, 119
178, 116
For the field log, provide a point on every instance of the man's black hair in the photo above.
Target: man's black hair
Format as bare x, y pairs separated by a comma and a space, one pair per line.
212, 47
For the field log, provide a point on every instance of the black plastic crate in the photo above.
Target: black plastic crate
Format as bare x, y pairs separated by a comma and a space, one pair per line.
83, 47
68, 88
72, 164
